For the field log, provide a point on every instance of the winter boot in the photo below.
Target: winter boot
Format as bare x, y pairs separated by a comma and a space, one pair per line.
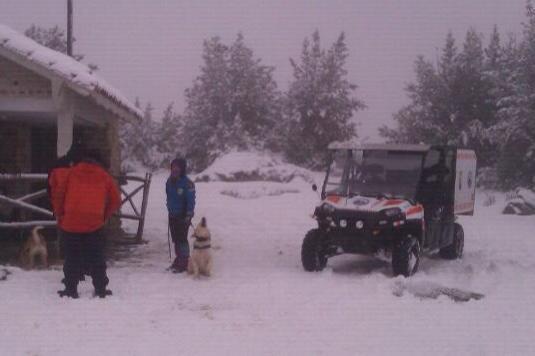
182, 265
102, 293
174, 265
69, 292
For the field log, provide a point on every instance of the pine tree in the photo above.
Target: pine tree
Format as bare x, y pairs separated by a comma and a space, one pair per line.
169, 144
450, 103
320, 103
233, 103
54, 38
516, 165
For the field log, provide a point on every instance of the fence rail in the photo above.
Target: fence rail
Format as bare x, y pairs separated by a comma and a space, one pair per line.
24, 202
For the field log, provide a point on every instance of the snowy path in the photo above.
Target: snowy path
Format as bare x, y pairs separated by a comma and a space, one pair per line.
260, 301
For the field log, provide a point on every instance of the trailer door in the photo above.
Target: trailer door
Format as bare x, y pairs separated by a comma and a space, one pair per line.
465, 182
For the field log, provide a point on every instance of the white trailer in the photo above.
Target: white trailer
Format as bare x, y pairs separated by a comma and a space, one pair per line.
465, 182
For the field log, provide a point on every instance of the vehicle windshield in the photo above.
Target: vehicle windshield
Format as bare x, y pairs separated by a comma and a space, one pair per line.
390, 174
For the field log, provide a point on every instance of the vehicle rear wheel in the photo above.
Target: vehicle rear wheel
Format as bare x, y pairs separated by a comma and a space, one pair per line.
313, 254
406, 257
455, 250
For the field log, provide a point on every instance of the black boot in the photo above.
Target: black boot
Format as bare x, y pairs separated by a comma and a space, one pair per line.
174, 265
68, 292
182, 265
103, 292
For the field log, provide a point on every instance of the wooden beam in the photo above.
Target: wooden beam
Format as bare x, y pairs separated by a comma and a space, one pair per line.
26, 104
23, 176
64, 103
39, 194
23, 224
26, 206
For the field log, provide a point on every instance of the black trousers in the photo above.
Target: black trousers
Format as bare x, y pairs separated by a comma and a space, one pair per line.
179, 234
84, 251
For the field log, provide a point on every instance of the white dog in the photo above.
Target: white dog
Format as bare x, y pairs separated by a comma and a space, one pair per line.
35, 246
200, 261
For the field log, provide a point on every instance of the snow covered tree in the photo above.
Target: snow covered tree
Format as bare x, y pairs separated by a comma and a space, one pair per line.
232, 104
141, 142
169, 144
450, 103
320, 103
515, 132
207, 106
53, 38
127, 141
420, 121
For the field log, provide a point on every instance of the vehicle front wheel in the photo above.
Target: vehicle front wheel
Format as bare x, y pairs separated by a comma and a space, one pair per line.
455, 250
406, 257
313, 254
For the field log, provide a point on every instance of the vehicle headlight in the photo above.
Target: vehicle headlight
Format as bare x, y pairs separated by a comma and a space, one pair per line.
392, 212
328, 208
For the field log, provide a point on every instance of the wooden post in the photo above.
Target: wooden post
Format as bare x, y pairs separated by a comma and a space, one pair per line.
144, 203
69, 28
65, 119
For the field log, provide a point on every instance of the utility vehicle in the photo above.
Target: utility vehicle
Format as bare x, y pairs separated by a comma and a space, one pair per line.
402, 200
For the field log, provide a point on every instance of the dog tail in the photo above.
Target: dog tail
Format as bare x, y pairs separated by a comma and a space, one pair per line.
203, 222
37, 229
35, 233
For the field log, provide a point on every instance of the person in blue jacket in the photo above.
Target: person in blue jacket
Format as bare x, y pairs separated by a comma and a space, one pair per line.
180, 192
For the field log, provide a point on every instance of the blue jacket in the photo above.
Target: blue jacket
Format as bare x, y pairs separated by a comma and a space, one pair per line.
180, 196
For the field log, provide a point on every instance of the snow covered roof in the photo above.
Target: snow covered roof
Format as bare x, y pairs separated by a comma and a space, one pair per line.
378, 147
78, 76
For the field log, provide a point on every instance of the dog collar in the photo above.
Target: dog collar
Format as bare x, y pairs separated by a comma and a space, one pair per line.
201, 239
201, 247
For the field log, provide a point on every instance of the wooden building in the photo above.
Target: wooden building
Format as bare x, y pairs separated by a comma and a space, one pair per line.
47, 100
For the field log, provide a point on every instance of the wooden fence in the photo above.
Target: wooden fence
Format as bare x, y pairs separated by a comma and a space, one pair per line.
25, 202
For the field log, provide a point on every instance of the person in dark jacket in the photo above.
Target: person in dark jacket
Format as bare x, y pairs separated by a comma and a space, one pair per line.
180, 191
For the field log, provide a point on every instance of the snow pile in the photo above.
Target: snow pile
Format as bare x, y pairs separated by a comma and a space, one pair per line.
521, 202
62, 65
251, 192
252, 166
432, 290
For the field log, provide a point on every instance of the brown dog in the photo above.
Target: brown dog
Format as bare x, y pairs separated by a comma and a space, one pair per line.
33, 248
200, 261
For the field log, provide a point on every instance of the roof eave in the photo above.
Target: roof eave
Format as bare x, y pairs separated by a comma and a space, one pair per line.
102, 100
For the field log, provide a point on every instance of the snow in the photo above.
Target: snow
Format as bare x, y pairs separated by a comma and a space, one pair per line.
261, 302
527, 196
66, 67
252, 166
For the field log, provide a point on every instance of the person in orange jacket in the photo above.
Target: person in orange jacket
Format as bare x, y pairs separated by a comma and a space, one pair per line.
90, 197
57, 178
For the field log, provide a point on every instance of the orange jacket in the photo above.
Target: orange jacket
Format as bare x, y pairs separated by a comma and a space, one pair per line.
90, 198
56, 183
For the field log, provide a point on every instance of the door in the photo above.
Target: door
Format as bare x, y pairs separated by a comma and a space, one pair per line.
436, 194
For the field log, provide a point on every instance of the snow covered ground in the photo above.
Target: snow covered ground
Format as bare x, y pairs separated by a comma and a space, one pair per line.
260, 301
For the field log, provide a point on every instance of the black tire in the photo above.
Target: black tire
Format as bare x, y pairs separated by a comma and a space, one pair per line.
313, 254
406, 258
455, 250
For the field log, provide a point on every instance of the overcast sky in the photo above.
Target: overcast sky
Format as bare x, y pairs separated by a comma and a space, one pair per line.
152, 48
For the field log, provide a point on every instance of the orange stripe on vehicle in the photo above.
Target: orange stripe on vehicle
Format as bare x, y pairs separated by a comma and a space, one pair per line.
393, 202
333, 198
415, 209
